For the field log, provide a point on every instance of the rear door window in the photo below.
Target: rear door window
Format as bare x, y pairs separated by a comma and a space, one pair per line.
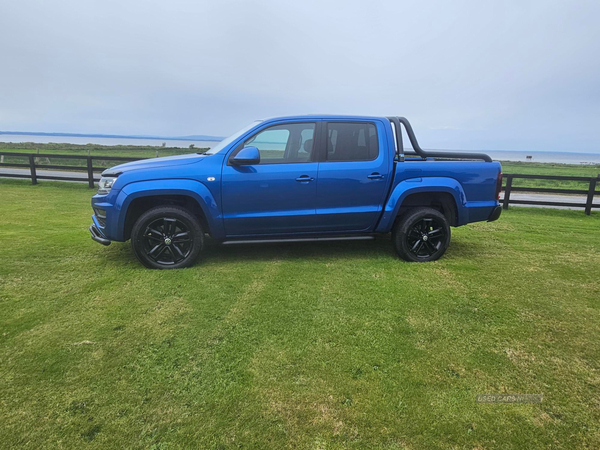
352, 141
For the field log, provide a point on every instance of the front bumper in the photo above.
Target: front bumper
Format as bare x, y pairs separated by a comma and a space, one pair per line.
495, 213
98, 236
102, 219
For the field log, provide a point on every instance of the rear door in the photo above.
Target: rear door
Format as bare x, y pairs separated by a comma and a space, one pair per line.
353, 176
278, 195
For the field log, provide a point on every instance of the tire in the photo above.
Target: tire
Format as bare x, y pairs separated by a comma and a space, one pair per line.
167, 237
422, 235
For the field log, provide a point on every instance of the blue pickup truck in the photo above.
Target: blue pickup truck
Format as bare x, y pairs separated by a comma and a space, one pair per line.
297, 178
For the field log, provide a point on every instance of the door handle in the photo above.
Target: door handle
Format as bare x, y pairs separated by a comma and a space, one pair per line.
375, 176
304, 178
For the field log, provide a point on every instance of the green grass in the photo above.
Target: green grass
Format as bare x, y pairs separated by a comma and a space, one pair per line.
577, 170
141, 151
337, 345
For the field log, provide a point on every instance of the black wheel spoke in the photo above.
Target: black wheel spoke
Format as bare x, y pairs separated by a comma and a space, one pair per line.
431, 247
161, 251
434, 232
426, 224
182, 237
414, 247
153, 232
414, 234
156, 247
172, 255
169, 225
420, 246
177, 254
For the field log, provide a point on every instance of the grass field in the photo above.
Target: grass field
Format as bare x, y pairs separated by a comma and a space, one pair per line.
326, 346
129, 151
133, 151
577, 170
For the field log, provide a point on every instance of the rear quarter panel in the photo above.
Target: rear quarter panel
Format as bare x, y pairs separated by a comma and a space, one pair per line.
471, 183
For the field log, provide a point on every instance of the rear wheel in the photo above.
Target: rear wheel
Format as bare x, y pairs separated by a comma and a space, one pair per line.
422, 235
167, 237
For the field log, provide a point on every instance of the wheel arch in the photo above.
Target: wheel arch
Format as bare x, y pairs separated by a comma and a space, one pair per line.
140, 205
444, 194
136, 198
441, 201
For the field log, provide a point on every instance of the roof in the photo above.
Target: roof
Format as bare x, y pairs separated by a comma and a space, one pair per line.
323, 116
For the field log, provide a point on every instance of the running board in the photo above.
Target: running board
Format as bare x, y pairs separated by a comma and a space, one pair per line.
321, 239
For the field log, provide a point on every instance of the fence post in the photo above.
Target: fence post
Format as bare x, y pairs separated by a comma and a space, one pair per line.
507, 192
590, 196
32, 169
90, 172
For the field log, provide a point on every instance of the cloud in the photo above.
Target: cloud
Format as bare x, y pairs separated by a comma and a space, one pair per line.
468, 74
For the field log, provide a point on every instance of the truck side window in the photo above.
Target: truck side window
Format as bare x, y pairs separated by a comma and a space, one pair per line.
282, 144
347, 141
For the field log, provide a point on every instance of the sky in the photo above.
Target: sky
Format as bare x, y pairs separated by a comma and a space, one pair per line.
481, 74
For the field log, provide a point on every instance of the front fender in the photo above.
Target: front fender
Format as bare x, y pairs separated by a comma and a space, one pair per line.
418, 185
190, 188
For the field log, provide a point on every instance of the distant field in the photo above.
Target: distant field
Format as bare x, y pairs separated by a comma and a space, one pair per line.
133, 151
129, 151
578, 170
320, 346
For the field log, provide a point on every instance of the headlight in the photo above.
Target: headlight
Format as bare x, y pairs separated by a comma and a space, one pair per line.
106, 184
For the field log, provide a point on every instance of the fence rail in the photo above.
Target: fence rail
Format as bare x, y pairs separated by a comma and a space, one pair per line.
88, 168
589, 193
33, 166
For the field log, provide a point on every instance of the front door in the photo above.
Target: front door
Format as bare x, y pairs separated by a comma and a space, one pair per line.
276, 196
353, 178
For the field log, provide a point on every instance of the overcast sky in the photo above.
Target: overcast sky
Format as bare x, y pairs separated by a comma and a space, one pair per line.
515, 75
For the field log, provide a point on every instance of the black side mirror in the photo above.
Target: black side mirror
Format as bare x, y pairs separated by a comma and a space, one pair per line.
247, 156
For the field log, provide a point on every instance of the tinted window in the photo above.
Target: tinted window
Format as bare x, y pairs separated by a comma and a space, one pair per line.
289, 143
352, 142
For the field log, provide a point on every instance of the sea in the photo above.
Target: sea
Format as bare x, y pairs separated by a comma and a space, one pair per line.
498, 155
539, 156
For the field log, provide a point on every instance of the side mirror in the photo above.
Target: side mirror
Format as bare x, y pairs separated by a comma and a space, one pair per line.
246, 157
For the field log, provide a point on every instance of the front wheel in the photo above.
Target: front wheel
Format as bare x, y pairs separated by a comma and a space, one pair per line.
167, 237
422, 235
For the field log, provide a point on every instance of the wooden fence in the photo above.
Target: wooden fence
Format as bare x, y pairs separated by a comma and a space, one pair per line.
88, 168
33, 165
589, 192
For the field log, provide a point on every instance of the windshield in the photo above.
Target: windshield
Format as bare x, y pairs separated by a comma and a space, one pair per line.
225, 142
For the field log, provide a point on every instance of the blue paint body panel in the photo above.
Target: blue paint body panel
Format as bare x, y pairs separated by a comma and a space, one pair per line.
298, 199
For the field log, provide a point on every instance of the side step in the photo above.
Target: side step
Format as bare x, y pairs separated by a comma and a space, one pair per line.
319, 239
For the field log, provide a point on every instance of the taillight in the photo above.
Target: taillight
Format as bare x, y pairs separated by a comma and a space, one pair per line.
498, 185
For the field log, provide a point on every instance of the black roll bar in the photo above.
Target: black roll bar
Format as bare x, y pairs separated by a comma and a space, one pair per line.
399, 121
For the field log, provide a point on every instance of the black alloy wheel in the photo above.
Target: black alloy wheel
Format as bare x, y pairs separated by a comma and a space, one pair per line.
425, 237
167, 240
167, 237
421, 235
